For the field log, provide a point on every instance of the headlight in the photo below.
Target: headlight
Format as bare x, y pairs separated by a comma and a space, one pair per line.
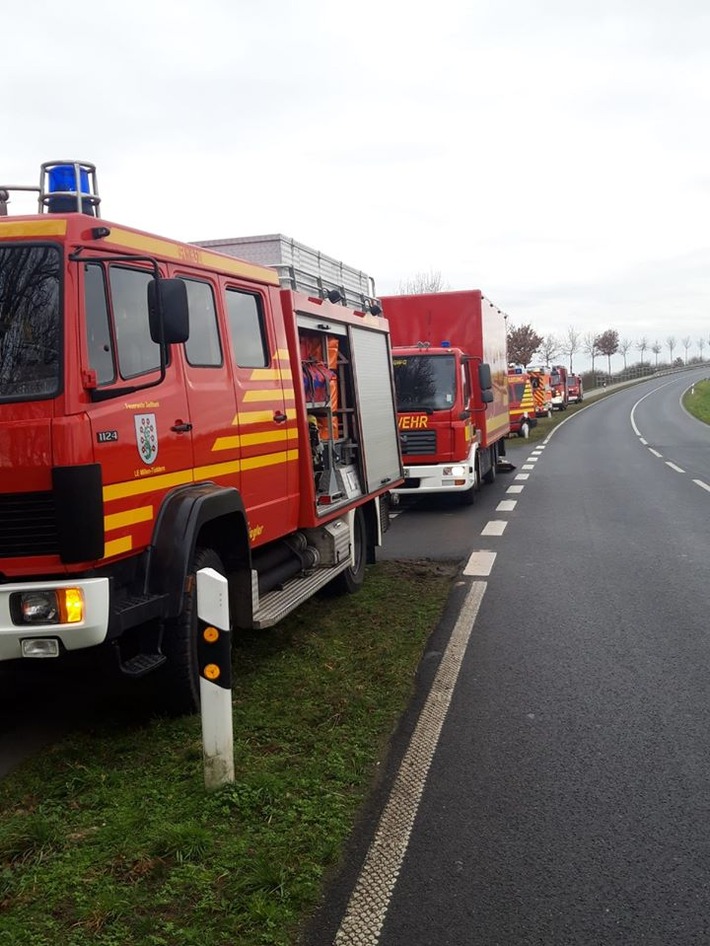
55, 606
455, 470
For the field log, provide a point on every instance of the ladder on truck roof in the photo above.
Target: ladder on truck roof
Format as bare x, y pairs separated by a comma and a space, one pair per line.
303, 269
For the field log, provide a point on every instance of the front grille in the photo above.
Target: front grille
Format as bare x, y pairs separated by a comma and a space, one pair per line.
417, 442
28, 525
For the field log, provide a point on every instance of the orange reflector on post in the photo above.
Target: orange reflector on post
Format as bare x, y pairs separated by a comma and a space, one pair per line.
211, 672
210, 634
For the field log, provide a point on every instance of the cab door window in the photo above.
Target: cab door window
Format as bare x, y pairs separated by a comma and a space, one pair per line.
246, 324
203, 348
137, 352
98, 330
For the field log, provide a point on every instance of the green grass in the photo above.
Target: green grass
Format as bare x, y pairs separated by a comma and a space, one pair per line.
109, 838
697, 401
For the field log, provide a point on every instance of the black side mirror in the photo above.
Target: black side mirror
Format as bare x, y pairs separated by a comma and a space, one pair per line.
168, 313
487, 396
485, 379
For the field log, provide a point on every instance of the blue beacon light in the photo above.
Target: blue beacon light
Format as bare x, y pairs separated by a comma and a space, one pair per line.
62, 178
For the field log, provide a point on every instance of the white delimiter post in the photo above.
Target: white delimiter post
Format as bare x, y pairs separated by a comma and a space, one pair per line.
214, 652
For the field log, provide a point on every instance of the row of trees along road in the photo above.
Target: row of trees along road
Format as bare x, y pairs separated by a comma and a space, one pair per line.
524, 343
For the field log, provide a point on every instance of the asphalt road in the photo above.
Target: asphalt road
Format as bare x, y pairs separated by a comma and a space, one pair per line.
568, 798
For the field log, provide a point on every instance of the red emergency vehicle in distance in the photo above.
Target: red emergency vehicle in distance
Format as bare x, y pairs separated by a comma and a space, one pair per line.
521, 402
541, 381
450, 364
575, 389
558, 384
164, 408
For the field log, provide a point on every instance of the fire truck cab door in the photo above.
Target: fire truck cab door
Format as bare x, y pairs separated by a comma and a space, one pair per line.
142, 438
264, 411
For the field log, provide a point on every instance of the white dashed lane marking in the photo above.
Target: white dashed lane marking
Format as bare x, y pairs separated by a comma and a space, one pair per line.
655, 452
480, 564
522, 476
528, 466
494, 527
515, 489
506, 505
702, 485
673, 466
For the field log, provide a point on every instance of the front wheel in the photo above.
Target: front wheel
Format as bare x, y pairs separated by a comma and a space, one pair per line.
490, 475
352, 579
179, 679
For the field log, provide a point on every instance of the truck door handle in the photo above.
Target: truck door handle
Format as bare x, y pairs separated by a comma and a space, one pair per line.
280, 417
181, 428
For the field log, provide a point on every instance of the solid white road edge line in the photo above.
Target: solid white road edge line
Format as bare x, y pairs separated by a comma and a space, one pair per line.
366, 911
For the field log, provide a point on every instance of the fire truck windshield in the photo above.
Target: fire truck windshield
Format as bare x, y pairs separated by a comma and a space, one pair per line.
425, 382
29, 321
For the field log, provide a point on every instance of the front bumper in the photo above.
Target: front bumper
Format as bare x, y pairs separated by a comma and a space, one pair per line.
434, 479
86, 633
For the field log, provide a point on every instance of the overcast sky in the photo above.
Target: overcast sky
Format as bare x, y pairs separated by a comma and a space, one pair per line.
553, 153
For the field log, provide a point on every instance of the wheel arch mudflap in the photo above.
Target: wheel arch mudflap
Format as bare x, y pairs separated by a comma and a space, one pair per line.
202, 514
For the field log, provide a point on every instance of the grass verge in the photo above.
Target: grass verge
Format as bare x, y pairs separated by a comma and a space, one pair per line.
110, 839
697, 401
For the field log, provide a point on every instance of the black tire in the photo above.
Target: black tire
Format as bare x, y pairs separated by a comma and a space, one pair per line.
179, 679
352, 579
490, 475
468, 498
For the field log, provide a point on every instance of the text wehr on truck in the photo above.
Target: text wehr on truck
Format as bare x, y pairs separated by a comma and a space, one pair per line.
166, 407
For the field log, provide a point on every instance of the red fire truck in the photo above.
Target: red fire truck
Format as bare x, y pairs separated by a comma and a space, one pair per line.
559, 381
521, 402
450, 370
164, 408
575, 389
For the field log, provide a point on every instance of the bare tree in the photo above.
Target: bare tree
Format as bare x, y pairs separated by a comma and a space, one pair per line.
701, 347
421, 283
671, 342
642, 346
589, 346
656, 349
624, 346
608, 344
685, 342
549, 348
570, 345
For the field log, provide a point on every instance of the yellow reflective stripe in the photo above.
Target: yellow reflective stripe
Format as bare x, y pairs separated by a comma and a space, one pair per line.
250, 440
117, 546
149, 484
216, 469
120, 520
269, 459
188, 253
495, 423
270, 394
226, 443
50, 227
265, 374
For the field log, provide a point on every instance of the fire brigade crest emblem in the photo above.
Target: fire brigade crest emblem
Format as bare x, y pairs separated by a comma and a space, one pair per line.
146, 437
